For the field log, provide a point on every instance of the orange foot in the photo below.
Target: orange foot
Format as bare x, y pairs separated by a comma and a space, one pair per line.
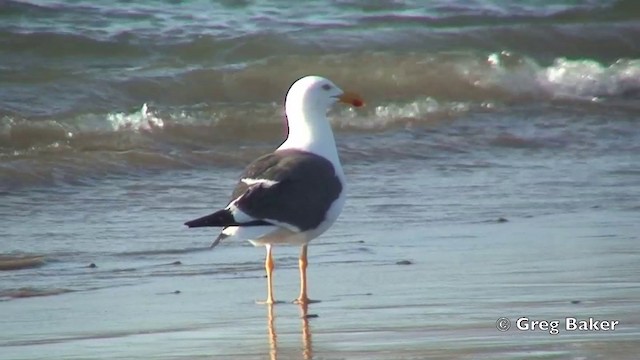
268, 302
304, 300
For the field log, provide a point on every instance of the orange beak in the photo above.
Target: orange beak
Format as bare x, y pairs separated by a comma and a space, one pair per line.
351, 98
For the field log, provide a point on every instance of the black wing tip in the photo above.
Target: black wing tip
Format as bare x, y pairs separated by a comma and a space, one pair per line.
222, 218
190, 224
217, 219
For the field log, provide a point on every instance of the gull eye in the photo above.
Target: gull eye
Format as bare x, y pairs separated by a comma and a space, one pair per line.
326, 87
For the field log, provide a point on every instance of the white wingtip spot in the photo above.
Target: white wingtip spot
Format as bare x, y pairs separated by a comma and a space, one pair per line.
265, 182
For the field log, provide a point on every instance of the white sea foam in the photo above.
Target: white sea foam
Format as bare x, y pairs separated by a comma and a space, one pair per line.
588, 78
144, 120
565, 78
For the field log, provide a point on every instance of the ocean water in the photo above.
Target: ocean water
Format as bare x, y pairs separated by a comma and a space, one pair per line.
121, 120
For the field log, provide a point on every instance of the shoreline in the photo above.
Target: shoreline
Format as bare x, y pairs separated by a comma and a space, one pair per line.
372, 307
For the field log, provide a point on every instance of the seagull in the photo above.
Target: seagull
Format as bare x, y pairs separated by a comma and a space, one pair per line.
295, 193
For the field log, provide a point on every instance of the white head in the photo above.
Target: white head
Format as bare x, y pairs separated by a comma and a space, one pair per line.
315, 94
306, 106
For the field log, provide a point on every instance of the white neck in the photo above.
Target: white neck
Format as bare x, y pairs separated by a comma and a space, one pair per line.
309, 130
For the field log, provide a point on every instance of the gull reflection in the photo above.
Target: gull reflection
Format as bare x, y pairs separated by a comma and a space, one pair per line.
273, 338
307, 350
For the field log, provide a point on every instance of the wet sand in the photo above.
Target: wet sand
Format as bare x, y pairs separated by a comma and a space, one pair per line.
384, 296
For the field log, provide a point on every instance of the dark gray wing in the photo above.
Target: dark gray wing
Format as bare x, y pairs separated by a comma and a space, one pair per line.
306, 186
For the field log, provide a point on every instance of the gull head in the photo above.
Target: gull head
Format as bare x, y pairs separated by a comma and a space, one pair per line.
315, 94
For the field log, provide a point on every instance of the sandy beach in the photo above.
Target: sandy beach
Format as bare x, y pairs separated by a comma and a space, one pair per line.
386, 296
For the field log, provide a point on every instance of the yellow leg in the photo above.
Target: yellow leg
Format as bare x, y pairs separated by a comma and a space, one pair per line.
269, 265
303, 298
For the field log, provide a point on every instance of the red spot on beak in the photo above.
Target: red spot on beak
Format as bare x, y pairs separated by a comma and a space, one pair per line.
351, 98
